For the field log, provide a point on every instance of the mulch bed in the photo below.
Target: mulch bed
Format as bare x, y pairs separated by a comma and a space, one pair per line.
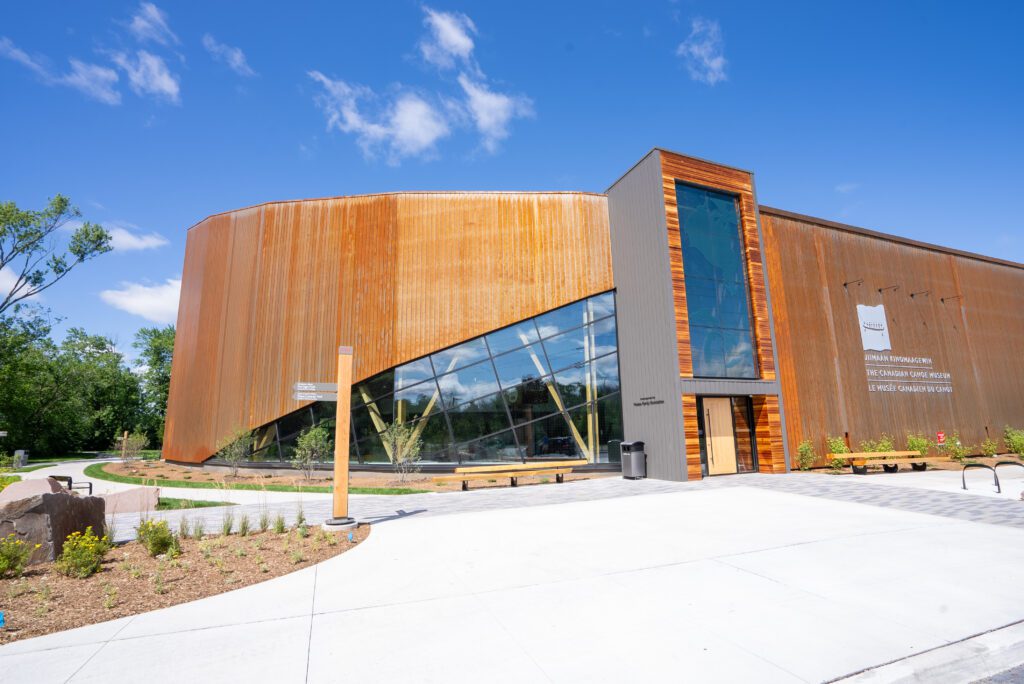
131, 582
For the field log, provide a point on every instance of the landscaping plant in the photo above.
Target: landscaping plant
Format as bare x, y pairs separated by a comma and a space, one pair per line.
806, 455
957, 450
1014, 439
14, 555
6, 480
989, 447
235, 449
403, 444
837, 445
130, 448
919, 443
883, 443
279, 524
157, 537
313, 446
82, 555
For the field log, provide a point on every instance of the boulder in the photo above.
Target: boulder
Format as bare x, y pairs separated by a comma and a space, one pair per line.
134, 500
27, 488
47, 519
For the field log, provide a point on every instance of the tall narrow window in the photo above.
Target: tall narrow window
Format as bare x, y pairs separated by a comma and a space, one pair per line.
717, 297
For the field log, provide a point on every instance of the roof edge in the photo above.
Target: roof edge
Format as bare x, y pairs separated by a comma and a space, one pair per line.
396, 193
825, 223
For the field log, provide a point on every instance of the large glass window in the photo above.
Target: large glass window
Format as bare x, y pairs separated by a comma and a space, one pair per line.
717, 296
492, 398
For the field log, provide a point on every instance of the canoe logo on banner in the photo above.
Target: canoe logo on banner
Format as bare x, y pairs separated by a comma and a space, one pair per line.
874, 328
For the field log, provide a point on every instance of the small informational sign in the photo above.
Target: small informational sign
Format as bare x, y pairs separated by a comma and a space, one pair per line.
940, 438
315, 387
315, 396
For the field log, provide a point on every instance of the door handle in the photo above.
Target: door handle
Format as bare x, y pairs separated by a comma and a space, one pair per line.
710, 443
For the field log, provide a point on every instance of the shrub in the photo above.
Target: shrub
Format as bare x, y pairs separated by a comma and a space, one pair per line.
279, 524
836, 445
227, 522
243, 526
6, 460
403, 444
157, 537
957, 450
806, 455
130, 448
14, 555
989, 447
82, 555
6, 480
235, 449
1014, 439
919, 443
264, 520
313, 446
883, 443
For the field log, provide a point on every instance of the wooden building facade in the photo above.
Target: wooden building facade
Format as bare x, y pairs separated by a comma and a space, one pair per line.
741, 330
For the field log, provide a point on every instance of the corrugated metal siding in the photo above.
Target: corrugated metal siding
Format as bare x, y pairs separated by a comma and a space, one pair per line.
648, 352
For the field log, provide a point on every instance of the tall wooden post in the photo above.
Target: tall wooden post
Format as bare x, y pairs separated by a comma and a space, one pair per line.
341, 441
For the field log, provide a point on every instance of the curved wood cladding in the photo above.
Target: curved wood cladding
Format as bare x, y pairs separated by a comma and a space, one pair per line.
975, 334
270, 292
733, 181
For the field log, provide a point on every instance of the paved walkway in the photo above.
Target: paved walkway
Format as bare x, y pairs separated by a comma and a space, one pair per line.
377, 509
730, 580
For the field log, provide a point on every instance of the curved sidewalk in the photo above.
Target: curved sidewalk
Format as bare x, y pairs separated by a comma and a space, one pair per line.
727, 581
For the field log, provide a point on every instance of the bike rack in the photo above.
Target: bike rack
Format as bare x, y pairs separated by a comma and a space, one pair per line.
995, 475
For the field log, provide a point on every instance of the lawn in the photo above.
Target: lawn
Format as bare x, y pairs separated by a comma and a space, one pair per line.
166, 503
98, 471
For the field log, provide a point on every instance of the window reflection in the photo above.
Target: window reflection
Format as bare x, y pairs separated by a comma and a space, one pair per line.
717, 298
492, 398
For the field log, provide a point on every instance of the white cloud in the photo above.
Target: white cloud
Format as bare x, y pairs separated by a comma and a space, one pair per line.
149, 23
123, 239
408, 126
149, 75
847, 188
492, 112
702, 51
450, 39
232, 56
92, 80
157, 303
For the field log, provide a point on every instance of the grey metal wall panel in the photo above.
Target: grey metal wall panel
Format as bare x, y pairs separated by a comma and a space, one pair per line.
648, 356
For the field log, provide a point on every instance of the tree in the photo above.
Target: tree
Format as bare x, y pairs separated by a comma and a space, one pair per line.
130, 447
313, 446
235, 449
402, 442
155, 346
29, 249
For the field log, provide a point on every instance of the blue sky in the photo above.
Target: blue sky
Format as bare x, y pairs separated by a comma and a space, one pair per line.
901, 117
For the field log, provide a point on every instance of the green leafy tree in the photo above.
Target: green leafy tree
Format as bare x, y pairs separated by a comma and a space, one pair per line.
155, 347
235, 448
403, 444
30, 251
313, 446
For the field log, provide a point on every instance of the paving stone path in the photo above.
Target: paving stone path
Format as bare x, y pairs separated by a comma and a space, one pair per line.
379, 509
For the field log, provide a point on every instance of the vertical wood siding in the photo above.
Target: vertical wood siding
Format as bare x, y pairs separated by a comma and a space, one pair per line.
270, 292
976, 334
691, 430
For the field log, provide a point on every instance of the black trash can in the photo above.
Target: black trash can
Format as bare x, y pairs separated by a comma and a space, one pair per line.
634, 461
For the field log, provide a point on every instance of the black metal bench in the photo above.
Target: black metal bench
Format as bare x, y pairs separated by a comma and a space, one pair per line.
70, 485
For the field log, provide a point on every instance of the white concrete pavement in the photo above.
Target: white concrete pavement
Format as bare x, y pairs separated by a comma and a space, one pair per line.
720, 584
76, 470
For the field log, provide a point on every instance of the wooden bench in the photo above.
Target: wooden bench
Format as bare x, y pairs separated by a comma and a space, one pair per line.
889, 460
514, 471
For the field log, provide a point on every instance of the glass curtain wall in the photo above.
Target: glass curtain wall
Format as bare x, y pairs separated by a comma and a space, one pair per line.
717, 297
543, 388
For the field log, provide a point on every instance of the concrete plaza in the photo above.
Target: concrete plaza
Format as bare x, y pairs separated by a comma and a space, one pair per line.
797, 578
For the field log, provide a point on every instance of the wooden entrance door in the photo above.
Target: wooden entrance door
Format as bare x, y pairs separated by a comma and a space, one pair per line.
720, 438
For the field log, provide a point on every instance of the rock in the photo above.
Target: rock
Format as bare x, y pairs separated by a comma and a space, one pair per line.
135, 500
47, 519
27, 488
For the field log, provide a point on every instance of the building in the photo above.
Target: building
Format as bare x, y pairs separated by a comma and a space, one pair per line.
525, 325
